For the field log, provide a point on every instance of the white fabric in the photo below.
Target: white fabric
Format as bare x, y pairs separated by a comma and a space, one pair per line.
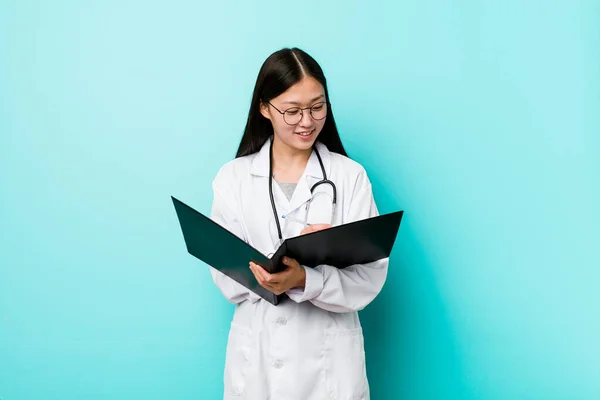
310, 346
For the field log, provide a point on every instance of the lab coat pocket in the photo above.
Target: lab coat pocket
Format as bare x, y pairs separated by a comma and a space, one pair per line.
237, 360
345, 368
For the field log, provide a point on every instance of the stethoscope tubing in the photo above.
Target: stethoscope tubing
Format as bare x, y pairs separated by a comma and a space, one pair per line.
321, 182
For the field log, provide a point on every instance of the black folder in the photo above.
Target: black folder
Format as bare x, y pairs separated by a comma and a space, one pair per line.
357, 242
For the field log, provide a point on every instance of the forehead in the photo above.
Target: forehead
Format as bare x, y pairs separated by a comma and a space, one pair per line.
305, 91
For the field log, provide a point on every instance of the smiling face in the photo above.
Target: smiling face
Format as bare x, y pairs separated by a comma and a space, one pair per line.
302, 135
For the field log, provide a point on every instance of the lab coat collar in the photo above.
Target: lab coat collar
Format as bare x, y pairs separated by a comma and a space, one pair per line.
260, 164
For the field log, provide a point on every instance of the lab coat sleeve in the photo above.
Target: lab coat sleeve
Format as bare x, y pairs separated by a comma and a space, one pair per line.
223, 212
352, 288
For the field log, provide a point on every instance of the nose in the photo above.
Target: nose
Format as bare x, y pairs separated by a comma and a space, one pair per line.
306, 120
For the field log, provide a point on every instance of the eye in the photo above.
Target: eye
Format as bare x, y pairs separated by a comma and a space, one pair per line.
318, 107
293, 111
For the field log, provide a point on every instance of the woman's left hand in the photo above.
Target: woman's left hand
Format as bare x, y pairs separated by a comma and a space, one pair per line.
293, 276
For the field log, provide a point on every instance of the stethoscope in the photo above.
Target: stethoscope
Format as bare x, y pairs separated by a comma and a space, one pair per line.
321, 182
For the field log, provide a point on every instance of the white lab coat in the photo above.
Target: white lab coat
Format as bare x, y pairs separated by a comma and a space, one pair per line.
310, 346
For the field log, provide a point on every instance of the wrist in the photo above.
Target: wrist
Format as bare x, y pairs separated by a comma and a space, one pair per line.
301, 281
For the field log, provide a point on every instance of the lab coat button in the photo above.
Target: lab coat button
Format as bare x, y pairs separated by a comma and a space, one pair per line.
281, 321
278, 364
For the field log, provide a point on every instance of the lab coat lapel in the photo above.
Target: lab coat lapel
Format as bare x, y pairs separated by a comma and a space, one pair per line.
311, 174
260, 210
321, 199
301, 194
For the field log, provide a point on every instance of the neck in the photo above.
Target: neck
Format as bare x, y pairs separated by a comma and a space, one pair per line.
288, 163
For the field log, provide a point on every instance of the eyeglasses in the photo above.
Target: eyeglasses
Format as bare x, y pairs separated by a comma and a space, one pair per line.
294, 115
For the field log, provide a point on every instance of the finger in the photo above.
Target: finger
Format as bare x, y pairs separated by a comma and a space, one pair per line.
318, 227
290, 262
256, 274
261, 281
314, 228
255, 270
267, 277
308, 229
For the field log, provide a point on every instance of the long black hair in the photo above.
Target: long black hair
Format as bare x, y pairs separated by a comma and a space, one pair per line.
279, 72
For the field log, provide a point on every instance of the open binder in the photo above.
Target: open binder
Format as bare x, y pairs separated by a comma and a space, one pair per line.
357, 242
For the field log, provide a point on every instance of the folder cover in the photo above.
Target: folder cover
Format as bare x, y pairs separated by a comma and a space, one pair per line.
340, 246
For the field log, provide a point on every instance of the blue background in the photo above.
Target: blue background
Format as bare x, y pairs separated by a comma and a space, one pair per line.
479, 118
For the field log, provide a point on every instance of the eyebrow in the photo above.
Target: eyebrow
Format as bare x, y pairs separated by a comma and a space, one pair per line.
295, 102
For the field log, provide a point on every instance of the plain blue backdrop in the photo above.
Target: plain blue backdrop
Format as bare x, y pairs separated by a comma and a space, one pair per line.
479, 118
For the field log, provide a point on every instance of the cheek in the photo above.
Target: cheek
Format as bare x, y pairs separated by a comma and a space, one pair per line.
320, 124
282, 128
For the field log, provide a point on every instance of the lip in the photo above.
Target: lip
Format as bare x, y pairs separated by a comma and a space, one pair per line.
306, 137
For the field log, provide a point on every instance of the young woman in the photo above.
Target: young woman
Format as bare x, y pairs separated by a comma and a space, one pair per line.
290, 167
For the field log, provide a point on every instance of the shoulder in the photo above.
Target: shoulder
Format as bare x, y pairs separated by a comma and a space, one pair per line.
234, 171
351, 170
348, 165
354, 188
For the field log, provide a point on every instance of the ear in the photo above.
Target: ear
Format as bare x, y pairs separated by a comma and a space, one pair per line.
264, 110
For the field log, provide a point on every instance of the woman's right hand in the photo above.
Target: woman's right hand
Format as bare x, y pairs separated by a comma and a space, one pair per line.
313, 228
